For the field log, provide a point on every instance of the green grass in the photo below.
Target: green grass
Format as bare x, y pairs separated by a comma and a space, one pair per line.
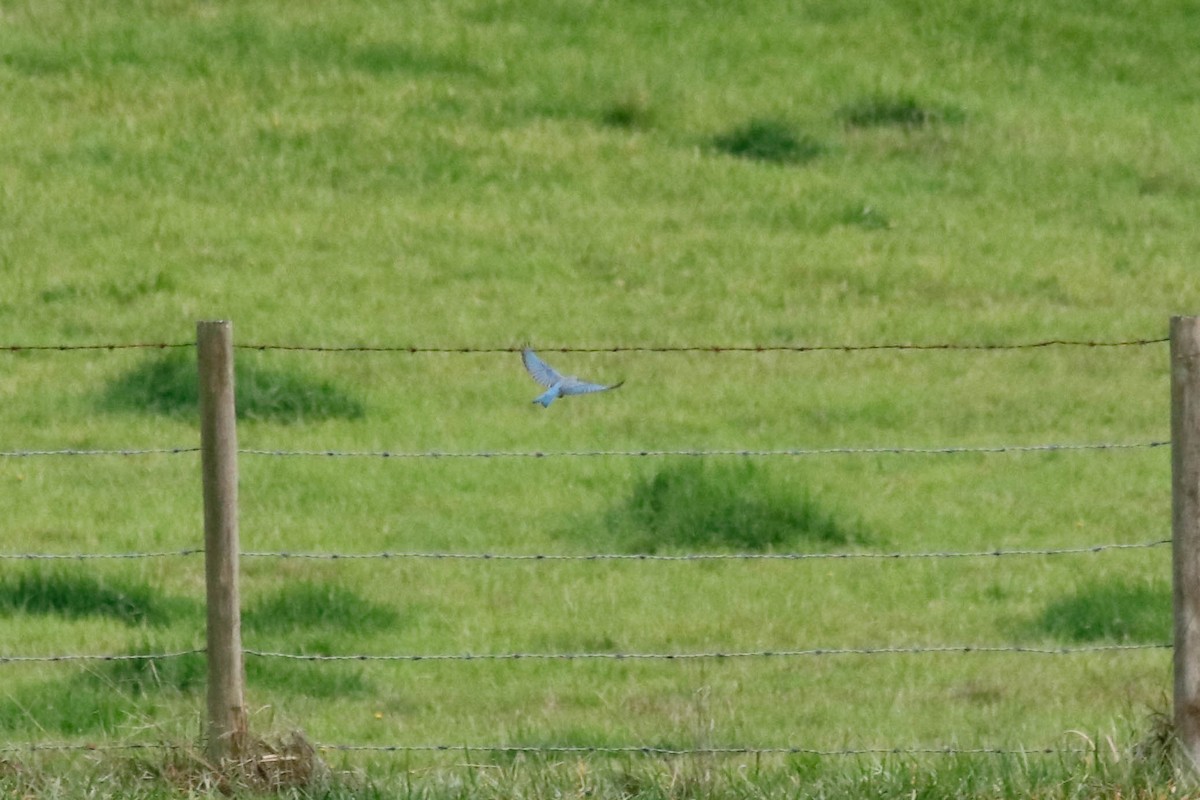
481, 173
1093, 772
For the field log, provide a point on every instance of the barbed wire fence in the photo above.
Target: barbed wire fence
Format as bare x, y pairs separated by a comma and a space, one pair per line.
221, 730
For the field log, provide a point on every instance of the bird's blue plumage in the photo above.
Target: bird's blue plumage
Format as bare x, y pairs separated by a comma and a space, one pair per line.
557, 384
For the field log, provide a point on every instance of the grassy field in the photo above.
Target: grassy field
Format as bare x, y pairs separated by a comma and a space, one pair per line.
485, 174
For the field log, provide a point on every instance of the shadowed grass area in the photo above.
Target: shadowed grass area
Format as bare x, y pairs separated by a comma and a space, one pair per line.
698, 505
313, 618
168, 385
1120, 611
140, 676
307, 605
78, 594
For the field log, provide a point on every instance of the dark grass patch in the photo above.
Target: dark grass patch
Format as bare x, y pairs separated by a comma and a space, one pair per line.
306, 678
698, 505
769, 140
167, 385
903, 111
1117, 611
630, 111
308, 606
75, 595
311, 616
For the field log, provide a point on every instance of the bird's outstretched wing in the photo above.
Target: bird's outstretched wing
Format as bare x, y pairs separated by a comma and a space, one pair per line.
542, 372
576, 386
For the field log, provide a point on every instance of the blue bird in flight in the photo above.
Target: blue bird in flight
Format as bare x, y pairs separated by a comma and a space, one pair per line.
557, 385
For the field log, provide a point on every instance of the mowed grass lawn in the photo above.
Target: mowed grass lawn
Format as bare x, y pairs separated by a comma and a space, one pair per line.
484, 175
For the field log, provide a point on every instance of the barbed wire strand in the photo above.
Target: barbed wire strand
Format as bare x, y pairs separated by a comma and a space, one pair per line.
43, 747
735, 348
535, 454
695, 751
65, 348
385, 555
145, 451
95, 556
822, 651
101, 657
790, 452
751, 348
551, 557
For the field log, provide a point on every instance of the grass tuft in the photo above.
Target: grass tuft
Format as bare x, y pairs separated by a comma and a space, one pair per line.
896, 111
718, 506
286, 766
769, 140
167, 385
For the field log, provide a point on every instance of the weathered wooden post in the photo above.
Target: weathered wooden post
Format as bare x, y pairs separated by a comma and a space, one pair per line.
218, 459
1185, 530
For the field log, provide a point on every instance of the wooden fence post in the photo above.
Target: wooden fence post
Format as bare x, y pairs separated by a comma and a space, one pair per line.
218, 459
1185, 529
